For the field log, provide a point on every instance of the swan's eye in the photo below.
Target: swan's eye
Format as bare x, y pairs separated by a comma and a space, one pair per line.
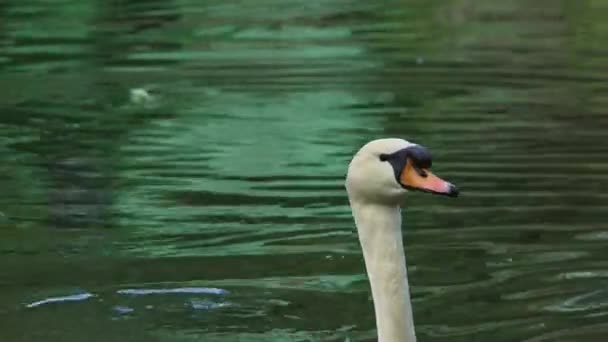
384, 157
422, 172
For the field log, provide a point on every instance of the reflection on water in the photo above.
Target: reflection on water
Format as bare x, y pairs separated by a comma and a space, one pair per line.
231, 178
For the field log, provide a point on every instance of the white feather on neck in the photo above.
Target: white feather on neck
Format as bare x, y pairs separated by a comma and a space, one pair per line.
379, 229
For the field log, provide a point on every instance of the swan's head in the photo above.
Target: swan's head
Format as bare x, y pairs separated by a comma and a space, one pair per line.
384, 170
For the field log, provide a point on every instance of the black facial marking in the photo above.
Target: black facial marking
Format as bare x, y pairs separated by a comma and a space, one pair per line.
397, 161
421, 159
420, 156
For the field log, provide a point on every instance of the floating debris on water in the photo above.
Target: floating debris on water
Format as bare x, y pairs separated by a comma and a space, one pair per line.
121, 309
179, 290
140, 96
62, 299
205, 305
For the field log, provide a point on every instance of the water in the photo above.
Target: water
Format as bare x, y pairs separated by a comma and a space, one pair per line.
216, 212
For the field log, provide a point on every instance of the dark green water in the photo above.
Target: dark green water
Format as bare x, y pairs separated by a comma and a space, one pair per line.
218, 212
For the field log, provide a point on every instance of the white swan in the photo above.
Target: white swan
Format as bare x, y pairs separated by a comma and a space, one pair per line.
379, 176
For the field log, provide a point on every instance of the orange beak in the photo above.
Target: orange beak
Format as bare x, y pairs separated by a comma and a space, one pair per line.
425, 180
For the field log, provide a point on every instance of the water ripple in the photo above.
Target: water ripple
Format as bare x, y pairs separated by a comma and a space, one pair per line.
234, 177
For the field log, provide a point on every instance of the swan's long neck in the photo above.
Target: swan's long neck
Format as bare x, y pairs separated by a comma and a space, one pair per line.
379, 229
